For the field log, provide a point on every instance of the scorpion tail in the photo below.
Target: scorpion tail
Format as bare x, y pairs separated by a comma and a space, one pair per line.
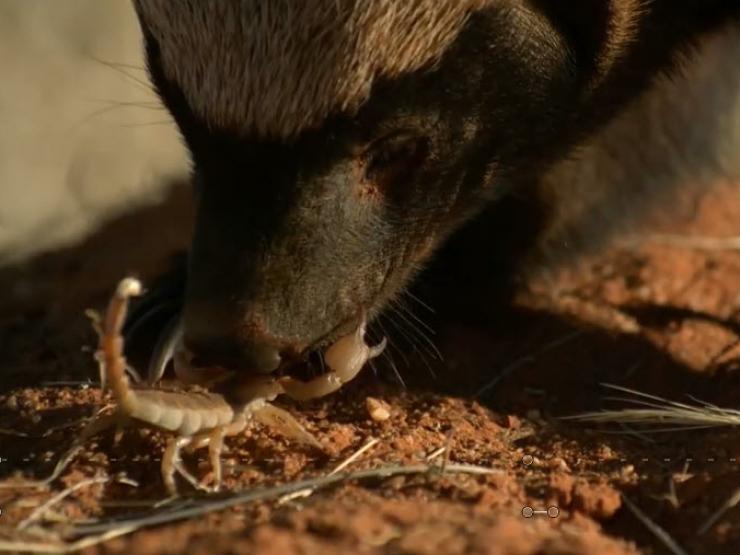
110, 348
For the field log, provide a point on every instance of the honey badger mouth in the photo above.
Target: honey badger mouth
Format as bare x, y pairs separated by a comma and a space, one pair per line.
316, 373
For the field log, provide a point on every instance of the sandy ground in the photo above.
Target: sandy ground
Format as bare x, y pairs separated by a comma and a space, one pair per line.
659, 318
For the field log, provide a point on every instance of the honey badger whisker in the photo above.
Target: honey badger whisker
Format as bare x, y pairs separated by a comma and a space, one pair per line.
412, 337
397, 373
388, 356
391, 344
403, 306
417, 300
121, 69
421, 330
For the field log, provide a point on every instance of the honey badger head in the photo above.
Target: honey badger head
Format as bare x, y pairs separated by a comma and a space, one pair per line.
336, 143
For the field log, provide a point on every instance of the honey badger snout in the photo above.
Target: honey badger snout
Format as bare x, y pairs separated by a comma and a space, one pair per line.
218, 336
276, 270
249, 333
227, 319
232, 322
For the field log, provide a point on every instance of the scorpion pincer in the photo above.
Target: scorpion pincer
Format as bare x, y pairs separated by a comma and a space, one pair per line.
344, 359
200, 418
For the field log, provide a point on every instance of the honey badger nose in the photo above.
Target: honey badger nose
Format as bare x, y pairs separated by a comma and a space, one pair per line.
218, 339
226, 352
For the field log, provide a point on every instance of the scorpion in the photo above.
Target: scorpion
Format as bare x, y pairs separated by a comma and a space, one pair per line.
200, 418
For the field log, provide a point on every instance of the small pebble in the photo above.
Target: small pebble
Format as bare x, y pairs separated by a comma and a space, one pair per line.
378, 410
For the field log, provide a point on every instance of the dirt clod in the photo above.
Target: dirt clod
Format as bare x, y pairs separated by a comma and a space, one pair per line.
378, 410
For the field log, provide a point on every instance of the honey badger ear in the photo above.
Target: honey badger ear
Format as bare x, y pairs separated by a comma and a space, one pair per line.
614, 49
621, 42
595, 30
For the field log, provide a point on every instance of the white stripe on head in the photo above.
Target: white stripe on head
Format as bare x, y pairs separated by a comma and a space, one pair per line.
277, 67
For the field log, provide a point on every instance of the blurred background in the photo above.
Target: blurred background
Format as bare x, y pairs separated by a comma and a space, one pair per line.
82, 136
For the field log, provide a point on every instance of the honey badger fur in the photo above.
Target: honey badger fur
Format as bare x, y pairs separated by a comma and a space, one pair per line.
337, 145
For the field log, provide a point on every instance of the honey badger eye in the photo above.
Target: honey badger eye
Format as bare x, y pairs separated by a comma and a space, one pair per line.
395, 157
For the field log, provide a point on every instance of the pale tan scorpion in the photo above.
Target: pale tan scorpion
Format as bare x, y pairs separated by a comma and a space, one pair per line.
202, 418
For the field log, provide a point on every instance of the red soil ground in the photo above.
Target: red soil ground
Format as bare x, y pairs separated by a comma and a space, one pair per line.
660, 318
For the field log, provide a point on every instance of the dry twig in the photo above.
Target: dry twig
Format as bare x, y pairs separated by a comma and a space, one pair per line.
341, 466
94, 533
656, 530
38, 513
719, 513
657, 411
698, 242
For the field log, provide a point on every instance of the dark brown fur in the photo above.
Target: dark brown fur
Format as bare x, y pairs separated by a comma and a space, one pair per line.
304, 220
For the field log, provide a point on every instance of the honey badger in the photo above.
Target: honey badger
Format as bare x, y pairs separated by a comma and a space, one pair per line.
337, 145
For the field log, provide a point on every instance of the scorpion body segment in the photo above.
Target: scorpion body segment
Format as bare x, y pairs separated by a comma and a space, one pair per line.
180, 412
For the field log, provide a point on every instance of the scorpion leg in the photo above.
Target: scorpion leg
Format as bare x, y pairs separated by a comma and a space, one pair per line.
281, 420
172, 462
215, 446
192, 480
214, 440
